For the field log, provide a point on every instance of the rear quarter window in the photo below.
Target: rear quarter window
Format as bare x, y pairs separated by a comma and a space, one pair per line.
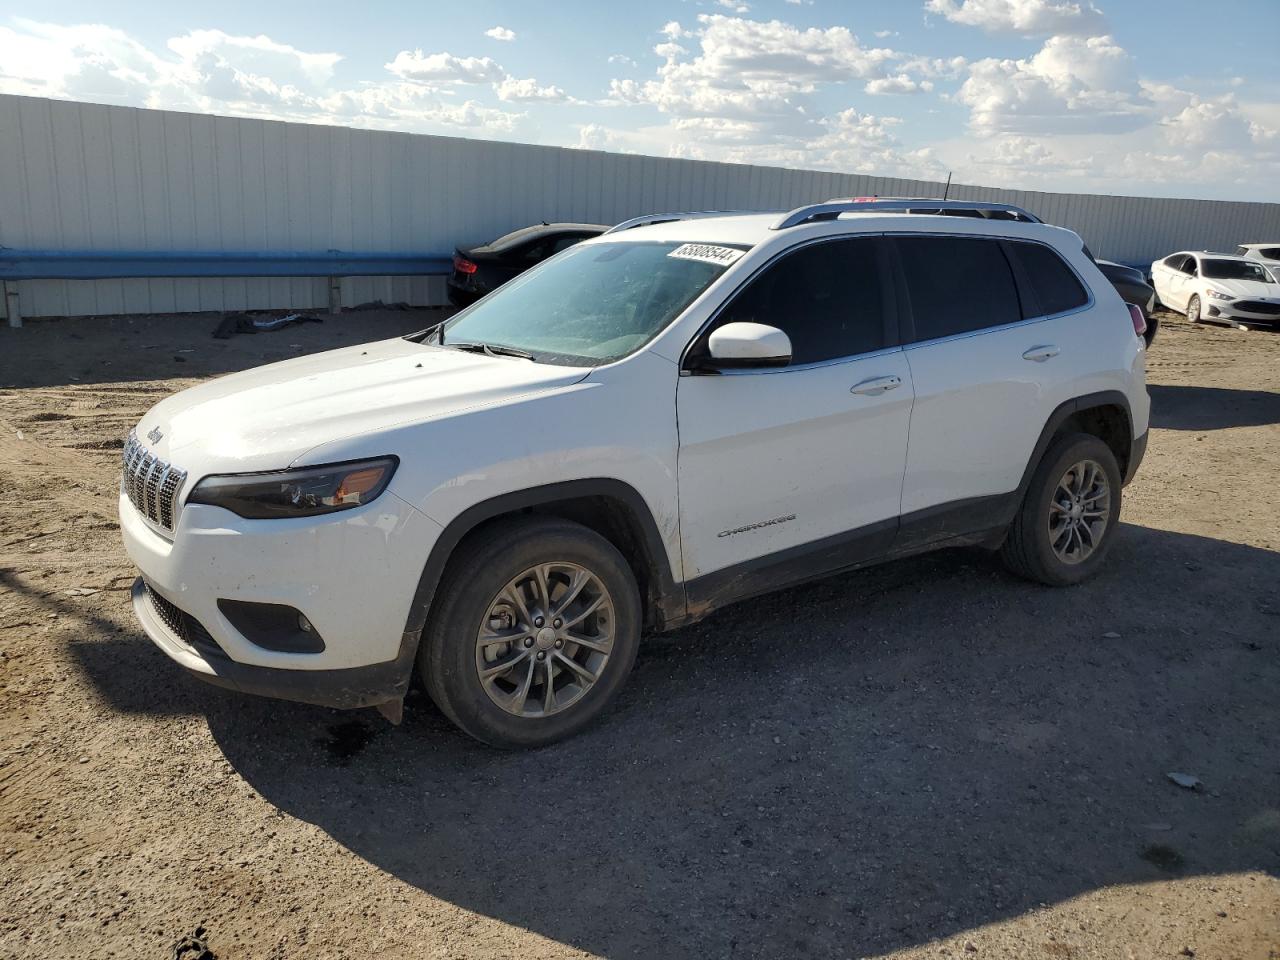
1056, 286
957, 285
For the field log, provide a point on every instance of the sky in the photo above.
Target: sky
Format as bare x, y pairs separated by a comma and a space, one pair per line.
1170, 98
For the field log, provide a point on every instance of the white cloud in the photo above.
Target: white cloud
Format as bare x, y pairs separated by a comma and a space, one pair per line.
1025, 17
849, 142
1217, 124
622, 58
899, 83
883, 34
594, 136
673, 31
500, 33
1071, 84
445, 68
734, 5
511, 88
754, 70
208, 71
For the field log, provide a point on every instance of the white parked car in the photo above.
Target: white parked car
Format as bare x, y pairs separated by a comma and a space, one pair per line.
1217, 286
684, 412
1266, 253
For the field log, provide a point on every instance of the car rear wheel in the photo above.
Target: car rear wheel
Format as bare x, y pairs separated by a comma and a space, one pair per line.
535, 629
1064, 528
1193, 310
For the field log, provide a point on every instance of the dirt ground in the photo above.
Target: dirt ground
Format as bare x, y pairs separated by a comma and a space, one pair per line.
928, 758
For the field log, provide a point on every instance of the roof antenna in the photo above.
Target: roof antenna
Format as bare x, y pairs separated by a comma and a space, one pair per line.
947, 189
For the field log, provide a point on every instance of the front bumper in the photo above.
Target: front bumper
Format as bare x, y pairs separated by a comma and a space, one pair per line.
1227, 310
345, 689
353, 574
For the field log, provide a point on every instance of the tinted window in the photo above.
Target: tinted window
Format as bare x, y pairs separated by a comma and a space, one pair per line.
1189, 266
826, 297
1236, 270
957, 284
564, 241
1271, 253
1056, 287
1175, 261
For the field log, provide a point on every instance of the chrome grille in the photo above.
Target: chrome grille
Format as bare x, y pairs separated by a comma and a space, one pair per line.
151, 485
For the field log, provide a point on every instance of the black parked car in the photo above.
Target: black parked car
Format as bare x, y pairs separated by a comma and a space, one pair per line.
478, 270
1133, 288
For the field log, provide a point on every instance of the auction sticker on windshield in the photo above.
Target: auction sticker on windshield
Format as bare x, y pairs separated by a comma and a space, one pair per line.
707, 253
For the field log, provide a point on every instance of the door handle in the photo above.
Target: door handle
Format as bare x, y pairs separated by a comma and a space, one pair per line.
1041, 353
876, 386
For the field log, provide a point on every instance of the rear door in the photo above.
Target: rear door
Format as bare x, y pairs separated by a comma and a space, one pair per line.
990, 361
801, 464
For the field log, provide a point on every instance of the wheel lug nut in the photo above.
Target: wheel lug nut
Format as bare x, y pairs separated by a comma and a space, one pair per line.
538, 621
559, 644
557, 623
542, 656
528, 641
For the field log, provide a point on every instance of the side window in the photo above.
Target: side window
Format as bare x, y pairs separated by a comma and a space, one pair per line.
826, 297
1242, 251
1174, 261
1271, 253
566, 240
1190, 266
957, 285
533, 251
1055, 284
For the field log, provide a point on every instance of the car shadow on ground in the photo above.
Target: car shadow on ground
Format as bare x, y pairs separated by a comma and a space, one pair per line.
1177, 407
858, 765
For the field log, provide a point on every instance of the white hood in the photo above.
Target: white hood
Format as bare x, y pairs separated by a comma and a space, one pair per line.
1246, 289
268, 417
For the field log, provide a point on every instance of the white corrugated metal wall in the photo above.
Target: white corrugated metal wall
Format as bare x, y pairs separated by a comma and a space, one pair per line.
86, 176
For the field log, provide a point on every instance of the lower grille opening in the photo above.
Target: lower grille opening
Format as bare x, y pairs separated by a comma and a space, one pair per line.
184, 626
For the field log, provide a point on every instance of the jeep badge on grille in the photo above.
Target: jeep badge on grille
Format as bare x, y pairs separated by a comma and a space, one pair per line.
154, 434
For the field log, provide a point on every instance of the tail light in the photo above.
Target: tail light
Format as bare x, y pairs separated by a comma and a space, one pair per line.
1139, 321
463, 265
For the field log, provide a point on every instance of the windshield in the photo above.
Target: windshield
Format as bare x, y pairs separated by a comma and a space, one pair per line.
593, 303
1235, 270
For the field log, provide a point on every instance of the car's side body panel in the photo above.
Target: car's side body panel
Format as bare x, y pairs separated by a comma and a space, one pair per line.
770, 459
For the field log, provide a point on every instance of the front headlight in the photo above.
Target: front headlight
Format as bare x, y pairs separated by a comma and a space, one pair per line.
1217, 295
304, 492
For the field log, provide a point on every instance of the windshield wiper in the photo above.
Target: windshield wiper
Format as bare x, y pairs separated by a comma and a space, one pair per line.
491, 349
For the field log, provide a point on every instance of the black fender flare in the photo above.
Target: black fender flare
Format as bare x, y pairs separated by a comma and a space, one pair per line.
667, 601
1061, 414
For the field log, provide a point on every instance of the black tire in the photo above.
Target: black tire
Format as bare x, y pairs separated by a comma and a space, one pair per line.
481, 567
1027, 550
1193, 309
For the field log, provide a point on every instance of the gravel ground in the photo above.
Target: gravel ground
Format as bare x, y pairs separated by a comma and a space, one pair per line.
928, 758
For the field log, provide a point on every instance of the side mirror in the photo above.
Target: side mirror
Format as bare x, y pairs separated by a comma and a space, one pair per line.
746, 345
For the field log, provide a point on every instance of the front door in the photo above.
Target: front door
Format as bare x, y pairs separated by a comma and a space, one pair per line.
798, 466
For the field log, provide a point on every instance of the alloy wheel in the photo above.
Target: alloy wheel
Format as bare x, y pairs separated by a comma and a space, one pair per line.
545, 639
1079, 511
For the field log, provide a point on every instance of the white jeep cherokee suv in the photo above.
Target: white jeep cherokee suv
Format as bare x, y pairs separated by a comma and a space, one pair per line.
684, 412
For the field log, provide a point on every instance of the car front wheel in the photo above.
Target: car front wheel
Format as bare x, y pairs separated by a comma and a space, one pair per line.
534, 632
1064, 528
1193, 309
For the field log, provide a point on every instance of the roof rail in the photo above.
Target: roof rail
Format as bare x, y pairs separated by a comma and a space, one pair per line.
671, 217
831, 209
